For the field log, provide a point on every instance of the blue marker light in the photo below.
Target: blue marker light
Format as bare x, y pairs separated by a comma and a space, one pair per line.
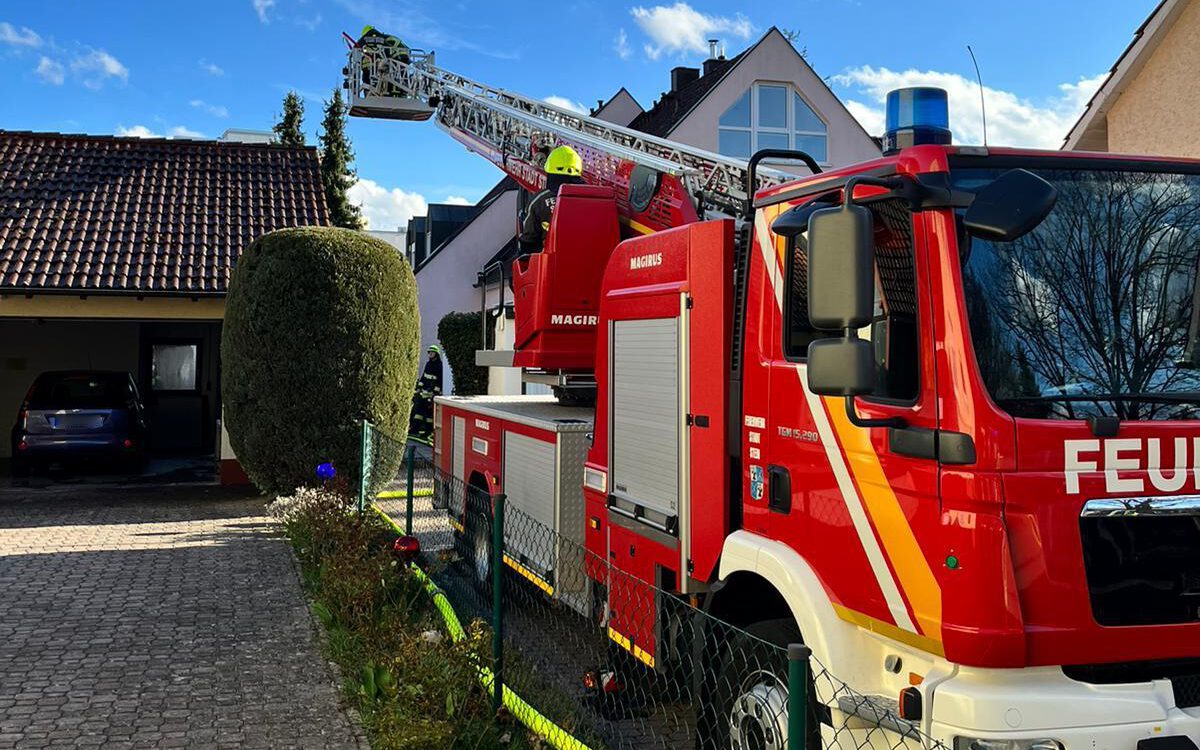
916, 116
326, 471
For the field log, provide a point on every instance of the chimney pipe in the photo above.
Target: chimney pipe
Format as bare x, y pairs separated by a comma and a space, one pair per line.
712, 48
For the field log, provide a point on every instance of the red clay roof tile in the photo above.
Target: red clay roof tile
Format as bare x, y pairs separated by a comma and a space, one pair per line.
83, 212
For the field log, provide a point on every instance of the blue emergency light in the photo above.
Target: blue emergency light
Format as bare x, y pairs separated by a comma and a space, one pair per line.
916, 116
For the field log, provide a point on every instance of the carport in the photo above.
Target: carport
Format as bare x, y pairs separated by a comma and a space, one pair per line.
176, 364
115, 254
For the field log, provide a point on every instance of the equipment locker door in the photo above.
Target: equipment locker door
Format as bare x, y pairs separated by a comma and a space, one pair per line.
646, 409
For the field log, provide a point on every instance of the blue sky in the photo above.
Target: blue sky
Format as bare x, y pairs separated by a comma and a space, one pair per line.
189, 68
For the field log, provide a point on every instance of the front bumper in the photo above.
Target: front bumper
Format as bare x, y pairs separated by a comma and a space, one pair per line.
1044, 703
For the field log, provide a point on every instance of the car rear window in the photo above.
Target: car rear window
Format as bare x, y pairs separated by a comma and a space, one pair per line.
80, 391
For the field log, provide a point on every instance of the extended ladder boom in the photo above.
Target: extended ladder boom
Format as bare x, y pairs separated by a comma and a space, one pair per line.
509, 130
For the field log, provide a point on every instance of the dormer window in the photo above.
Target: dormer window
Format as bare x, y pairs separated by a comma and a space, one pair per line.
772, 115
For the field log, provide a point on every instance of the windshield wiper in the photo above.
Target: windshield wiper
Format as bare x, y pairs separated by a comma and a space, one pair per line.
1188, 397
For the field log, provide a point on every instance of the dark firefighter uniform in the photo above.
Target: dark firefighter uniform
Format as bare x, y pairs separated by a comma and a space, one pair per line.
563, 167
374, 42
429, 385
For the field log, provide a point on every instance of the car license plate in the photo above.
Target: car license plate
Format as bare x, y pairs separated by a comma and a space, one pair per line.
77, 421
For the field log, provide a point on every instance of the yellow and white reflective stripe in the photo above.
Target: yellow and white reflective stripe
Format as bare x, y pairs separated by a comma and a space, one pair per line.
638, 652
525, 572
854, 505
837, 463
905, 554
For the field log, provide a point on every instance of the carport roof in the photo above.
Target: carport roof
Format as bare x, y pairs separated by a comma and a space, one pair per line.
94, 214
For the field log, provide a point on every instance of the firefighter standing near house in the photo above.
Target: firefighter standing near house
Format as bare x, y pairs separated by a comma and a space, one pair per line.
563, 167
429, 386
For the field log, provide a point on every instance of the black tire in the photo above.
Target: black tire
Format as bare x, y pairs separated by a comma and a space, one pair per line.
750, 694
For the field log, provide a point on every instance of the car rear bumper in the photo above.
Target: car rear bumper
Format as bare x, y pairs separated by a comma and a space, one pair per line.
67, 446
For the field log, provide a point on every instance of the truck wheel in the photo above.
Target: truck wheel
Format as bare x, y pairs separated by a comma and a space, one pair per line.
481, 556
751, 692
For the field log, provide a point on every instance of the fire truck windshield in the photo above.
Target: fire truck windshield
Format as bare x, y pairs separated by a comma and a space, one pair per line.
1094, 312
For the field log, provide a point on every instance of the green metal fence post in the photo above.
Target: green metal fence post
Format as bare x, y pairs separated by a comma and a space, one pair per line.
798, 655
408, 510
498, 601
364, 470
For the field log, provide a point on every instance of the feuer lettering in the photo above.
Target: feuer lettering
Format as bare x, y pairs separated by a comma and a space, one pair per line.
1127, 463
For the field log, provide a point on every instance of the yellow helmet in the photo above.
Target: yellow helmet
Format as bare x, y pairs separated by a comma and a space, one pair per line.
366, 29
564, 160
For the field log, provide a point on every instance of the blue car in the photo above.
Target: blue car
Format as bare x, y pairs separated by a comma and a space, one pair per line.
74, 415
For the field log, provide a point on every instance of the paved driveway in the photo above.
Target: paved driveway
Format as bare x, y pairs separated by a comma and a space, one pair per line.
166, 617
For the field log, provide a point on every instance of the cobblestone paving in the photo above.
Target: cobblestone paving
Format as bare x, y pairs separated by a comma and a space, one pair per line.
167, 617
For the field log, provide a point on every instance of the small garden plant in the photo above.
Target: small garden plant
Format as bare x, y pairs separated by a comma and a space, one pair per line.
413, 686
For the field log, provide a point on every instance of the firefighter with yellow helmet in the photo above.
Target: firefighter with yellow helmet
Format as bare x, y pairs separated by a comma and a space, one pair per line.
377, 46
563, 167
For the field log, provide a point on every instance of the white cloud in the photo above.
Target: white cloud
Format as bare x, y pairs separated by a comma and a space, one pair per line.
385, 208
141, 131
22, 37
180, 131
261, 7
50, 71
1011, 119
457, 200
137, 131
213, 109
565, 103
96, 66
212, 68
621, 45
680, 28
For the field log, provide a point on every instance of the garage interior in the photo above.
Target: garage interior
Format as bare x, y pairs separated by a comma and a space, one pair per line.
176, 365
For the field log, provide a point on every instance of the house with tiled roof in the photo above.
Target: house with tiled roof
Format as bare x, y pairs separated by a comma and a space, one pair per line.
1149, 103
767, 96
116, 253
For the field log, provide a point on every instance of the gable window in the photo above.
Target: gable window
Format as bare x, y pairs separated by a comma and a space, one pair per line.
771, 115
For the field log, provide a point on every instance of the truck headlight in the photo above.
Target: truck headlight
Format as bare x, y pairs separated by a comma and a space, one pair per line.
981, 743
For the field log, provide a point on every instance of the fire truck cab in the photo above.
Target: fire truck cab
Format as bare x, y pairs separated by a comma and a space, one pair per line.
959, 409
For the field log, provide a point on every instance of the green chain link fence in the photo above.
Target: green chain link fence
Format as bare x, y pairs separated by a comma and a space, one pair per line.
679, 679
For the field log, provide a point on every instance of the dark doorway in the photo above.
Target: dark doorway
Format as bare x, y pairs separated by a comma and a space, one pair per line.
180, 371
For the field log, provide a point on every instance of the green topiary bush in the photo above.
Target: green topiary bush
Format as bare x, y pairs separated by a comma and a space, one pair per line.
321, 330
460, 335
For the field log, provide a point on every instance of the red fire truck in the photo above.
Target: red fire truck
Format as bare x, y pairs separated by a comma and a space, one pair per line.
934, 414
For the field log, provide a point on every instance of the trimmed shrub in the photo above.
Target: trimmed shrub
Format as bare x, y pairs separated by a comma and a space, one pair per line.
459, 333
321, 331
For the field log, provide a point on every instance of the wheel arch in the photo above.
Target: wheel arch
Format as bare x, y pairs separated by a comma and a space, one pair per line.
779, 582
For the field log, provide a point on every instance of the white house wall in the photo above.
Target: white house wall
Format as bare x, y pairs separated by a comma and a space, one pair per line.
775, 60
446, 282
620, 110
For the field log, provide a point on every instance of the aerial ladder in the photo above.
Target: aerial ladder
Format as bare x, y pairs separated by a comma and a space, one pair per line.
635, 184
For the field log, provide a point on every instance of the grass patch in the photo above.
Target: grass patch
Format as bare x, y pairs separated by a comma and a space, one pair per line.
413, 686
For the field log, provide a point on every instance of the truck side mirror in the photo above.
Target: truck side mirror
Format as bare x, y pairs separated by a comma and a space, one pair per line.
1010, 206
841, 297
841, 367
841, 268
